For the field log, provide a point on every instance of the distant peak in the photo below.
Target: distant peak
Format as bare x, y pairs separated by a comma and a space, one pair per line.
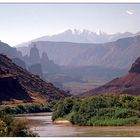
78, 31
100, 32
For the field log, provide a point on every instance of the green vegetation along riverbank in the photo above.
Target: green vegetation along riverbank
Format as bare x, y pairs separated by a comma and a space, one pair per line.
25, 108
11, 127
103, 110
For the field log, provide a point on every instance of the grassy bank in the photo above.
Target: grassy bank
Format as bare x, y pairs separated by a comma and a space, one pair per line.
104, 110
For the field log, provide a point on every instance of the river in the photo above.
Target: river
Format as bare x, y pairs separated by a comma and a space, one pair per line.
42, 124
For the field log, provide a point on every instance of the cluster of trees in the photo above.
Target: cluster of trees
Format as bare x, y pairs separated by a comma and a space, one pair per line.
25, 108
103, 110
10, 127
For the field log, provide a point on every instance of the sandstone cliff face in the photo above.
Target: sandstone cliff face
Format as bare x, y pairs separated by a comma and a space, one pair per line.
128, 84
34, 55
135, 66
18, 84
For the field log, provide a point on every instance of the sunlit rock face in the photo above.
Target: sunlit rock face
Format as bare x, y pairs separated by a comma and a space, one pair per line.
135, 66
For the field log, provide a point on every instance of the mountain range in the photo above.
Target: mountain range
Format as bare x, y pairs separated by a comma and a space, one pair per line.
82, 36
117, 54
81, 62
82, 78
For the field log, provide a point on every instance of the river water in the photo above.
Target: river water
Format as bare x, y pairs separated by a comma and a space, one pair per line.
42, 124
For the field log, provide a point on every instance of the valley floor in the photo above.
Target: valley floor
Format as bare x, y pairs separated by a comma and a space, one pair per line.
76, 88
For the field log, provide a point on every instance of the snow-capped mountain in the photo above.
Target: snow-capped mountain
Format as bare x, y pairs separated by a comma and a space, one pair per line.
82, 36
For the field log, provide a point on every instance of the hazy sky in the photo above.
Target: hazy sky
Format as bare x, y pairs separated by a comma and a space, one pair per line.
23, 22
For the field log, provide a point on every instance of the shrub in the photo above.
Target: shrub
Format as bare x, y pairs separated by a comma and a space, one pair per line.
20, 128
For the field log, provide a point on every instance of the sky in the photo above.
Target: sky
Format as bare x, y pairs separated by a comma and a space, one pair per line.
23, 22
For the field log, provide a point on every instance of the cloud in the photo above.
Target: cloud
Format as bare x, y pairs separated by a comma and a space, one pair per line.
130, 12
